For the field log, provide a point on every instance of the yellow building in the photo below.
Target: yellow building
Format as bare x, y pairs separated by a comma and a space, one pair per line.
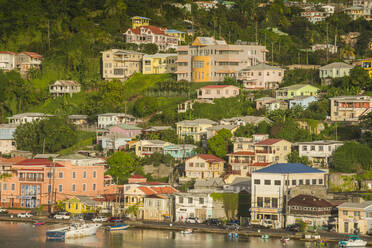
159, 63
79, 205
367, 65
139, 21
176, 33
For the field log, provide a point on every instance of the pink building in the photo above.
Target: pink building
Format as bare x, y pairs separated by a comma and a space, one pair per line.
217, 91
34, 181
151, 34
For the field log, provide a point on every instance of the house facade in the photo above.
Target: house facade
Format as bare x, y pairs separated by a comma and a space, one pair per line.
111, 119
7, 142
120, 64
180, 152
115, 137
324, 47
355, 217
19, 119
207, 59
262, 101
64, 87
244, 120
335, 70
148, 147
28, 60
159, 63
270, 185
197, 129
204, 166
261, 76
217, 91
319, 152
302, 101
289, 92
350, 108
7, 61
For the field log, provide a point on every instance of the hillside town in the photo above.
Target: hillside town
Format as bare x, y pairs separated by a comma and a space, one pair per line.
191, 125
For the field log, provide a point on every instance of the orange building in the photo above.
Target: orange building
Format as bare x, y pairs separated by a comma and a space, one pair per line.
37, 182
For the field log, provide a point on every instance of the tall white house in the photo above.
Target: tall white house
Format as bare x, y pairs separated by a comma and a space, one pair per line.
270, 187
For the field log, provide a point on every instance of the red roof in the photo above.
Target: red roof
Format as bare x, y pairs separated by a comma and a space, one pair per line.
268, 142
216, 86
137, 176
12, 160
209, 158
33, 55
243, 153
39, 161
164, 190
29, 169
146, 190
153, 183
7, 52
261, 164
153, 29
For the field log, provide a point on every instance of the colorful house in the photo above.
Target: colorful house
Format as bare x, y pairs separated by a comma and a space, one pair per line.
159, 63
367, 65
204, 166
302, 101
180, 152
217, 91
80, 205
289, 92
181, 36
139, 21
355, 217
197, 129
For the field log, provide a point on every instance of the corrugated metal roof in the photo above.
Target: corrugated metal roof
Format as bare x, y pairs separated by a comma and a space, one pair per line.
288, 168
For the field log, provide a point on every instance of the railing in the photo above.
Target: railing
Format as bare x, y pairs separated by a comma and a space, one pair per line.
241, 161
31, 179
265, 151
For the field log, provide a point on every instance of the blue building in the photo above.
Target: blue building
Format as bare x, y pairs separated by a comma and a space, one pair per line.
180, 152
302, 101
7, 143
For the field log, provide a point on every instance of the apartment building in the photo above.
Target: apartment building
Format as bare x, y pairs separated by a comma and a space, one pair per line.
350, 108
159, 63
261, 76
148, 147
217, 91
208, 59
111, 119
120, 64
204, 166
34, 181
319, 152
270, 186
197, 129
7, 60
272, 150
27, 117
64, 87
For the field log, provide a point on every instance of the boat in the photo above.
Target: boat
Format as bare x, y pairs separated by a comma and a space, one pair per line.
75, 230
39, 223
118, 227
187, 231
353, 241
265, 236
284, 240
233, 235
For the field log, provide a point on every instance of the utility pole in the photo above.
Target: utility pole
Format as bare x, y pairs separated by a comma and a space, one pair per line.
272, 53
49, 34
327, 49
256, 32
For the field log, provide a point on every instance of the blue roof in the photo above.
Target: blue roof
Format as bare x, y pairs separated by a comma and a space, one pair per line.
289, 168
141, 17
174, 31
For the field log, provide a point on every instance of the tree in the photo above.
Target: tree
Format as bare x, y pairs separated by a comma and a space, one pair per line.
245, 131
294, 157
145, 106
149, 48
49, 135
352, 157
220, 143
121, 165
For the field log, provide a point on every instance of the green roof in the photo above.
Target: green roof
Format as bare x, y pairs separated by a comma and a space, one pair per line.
297, 87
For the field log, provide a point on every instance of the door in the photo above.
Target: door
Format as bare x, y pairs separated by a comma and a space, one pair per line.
346, 227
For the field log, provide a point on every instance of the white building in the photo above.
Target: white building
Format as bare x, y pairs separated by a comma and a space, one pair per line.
148, 147
319, 47
319, 152
27, 117
64, 87
7, 142
7, 60
111, 119
270, 185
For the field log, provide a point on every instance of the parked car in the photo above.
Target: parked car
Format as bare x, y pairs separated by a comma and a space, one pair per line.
293, 228
213, 222
231, 226
24, 215
192, 220
100, 219
62, 216
3, 211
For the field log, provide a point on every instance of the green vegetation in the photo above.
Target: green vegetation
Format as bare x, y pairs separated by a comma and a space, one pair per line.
294, 157
122, 165
220, 143
352, 157
230, 202
84, 139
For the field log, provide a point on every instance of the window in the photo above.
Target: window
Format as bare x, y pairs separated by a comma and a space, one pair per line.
301, 182
4, 186
73, 174
356, 214
293, 182
307, 181
84, 187
277, 182
190, 200
274, 202
257, 181
314, 181
73, 187
259, 202
13, 186
304, 148
94, 174
267, 182
320, 181
94, 186
267, 202
60, 175
321, 148
85, 174
60, 188
180, 200
49, 188
312, 148
344, 212
49, 174
201, 200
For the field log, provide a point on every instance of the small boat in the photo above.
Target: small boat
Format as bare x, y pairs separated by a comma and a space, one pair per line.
187, 231
284, 240
39, 223
266, 236
75, 230
118, 227
233, 235
353, 241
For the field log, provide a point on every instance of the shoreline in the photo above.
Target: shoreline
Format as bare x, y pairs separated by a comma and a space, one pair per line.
327, 237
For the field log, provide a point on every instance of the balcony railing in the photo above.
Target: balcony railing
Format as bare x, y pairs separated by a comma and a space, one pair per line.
265, 151
25, 179
241, 161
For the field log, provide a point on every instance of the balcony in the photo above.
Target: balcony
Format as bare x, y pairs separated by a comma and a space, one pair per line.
265, 151
25, 179
237, 161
